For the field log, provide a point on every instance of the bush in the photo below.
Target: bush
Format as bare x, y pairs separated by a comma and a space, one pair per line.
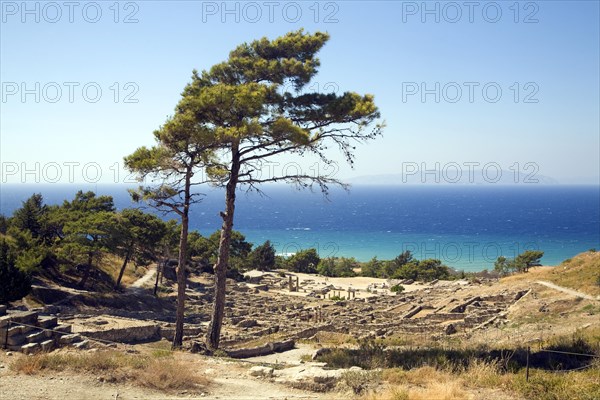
360, 381
397, 288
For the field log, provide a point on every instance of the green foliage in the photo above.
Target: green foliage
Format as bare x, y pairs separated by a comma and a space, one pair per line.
504, 266
337, 267
521, 263
404, 258
262, 257
528, 259
88, 202
405, 266
14, 283
304, 261
29, 216
3, 224
397, 288
206, 250
425, 270
138, 233
373, 268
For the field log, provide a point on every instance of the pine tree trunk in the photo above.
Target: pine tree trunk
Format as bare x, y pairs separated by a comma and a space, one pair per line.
214, 329
122, 271
87, 272
181, 265
159, 268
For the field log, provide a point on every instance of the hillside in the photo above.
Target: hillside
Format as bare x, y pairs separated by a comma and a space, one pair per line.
581, 272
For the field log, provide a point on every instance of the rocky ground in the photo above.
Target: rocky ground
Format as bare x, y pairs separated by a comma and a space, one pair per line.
276, 308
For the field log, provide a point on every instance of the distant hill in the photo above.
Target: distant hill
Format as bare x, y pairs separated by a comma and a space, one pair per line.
451, 176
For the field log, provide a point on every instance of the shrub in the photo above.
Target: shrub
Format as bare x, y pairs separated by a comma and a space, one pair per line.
397, 288
360, 381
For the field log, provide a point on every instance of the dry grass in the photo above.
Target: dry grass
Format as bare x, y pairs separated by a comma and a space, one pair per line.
429, 383
332, 339
260, 341
160, 372
580, 273
169, 375
421, 384
112, 264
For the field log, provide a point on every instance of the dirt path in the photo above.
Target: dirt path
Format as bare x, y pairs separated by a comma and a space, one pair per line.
146, 278
230, 381
566, 290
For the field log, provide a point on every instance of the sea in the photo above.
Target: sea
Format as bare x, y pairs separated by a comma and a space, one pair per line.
466, 226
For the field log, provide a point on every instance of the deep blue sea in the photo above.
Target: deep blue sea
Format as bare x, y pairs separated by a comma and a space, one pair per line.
467, 227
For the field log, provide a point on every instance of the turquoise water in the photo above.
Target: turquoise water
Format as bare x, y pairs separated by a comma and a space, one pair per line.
467, 227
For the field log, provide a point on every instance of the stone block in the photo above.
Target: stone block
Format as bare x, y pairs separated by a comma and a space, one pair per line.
69, 339
47, 345
25, 317
84, 344
64, 328
14, 330
47, 322
16, 340
31, 348
36, 337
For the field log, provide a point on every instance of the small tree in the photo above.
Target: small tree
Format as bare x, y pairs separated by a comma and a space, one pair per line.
183, 148
29, 216
372, 268
262, 257
139, 236
304, 261
520, 263
14, 283
339, 267
326, 267
528, 259
504, 266
88, 231
166, 248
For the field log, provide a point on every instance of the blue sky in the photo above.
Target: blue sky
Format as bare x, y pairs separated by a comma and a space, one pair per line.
546, 65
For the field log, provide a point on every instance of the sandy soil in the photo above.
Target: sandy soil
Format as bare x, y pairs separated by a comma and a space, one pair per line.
360, 284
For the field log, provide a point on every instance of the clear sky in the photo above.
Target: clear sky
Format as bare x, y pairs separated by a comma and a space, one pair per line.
435, 69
